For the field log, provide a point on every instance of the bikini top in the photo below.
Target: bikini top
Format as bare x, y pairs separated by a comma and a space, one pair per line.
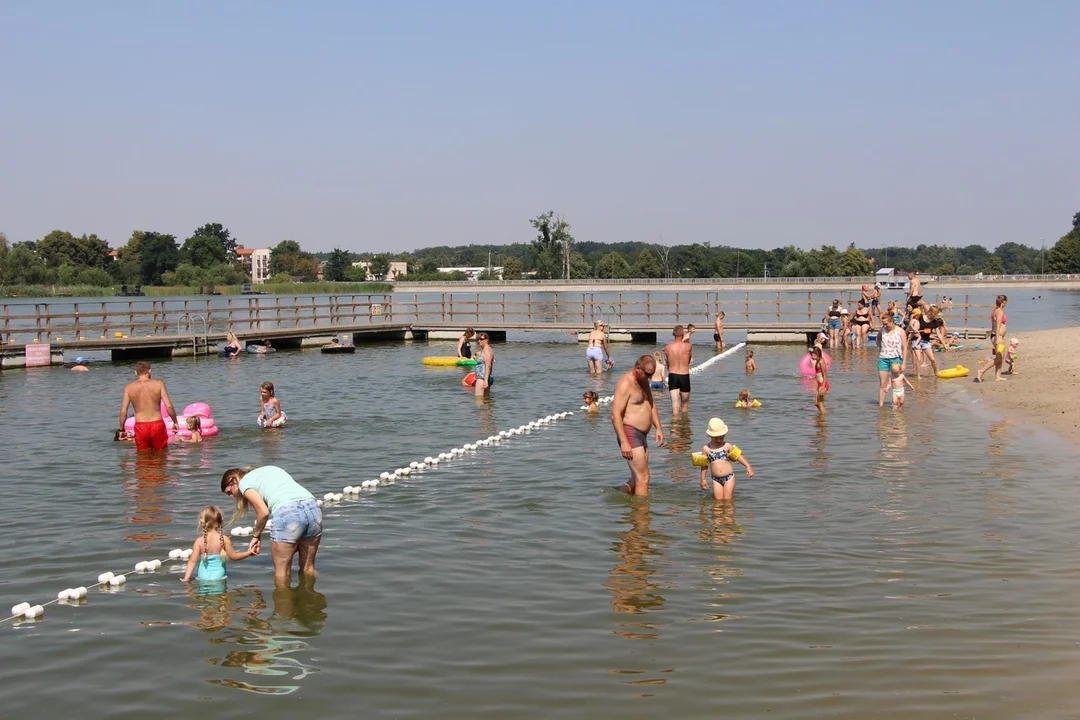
725, 452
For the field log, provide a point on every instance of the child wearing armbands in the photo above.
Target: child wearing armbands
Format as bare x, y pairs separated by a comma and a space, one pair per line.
746, 401
716, 458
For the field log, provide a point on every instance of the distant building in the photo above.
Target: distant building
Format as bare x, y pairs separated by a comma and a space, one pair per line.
397, 269
473, 273
260, 266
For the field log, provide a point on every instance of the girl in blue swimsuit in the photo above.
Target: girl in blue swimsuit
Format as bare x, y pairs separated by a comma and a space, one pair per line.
210, 549
721, 454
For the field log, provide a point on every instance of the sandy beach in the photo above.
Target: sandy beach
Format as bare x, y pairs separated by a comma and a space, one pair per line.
1046, 387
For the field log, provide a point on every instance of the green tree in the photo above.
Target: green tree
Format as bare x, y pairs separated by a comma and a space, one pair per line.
379, 266
647, 266
547, 263
22, 266
287, 257
1064, 257
512, 268
994, 266
281, 279
202, 251
223, 236
337, 265
579, 267
553, 236
158, 254
613, 265
60, 247
853, 263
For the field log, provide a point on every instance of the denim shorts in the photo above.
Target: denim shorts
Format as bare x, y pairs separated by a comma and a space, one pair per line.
300, 520
835, 323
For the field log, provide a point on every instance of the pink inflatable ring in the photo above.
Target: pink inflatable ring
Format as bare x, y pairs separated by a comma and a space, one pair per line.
201, 410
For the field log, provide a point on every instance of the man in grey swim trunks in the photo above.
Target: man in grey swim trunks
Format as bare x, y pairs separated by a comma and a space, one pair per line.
633, 414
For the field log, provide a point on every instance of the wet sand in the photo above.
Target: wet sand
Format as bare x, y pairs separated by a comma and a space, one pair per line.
1046, 387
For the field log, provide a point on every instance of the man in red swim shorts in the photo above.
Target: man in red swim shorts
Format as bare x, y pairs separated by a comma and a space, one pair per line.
146, 396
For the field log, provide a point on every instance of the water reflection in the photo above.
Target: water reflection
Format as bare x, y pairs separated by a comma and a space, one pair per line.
146, 478
678, 442
631, 580
270, 645
819, 443
718, 524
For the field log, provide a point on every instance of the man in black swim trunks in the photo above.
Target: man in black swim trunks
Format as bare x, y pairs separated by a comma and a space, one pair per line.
679, 354
914, 293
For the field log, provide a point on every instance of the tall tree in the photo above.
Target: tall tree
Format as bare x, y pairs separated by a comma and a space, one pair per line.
1064, 257
158, 254
287, 257
337, 265
203, 251
219, 231
553, 235
613, 265
647, 266
60, 247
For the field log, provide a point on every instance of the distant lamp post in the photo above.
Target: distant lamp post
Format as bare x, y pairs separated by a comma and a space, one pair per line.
1043, 272
765, 272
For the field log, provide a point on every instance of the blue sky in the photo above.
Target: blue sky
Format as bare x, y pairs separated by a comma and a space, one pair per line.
391, 126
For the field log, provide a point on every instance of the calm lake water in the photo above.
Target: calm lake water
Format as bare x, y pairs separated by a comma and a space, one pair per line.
880, 564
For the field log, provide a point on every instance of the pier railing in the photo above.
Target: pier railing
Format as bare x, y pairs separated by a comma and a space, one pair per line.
22, 323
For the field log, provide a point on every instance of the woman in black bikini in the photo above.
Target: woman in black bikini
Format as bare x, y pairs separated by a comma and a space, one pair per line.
861, 321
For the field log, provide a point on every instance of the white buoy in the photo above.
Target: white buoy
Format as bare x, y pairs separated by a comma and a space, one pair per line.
20, 608
79, 592
140, 566
153, 565
186, 554
405, 471
63, 594
434, 461
414, 465
319, 503
384, 476
235, 532
173, 554
34, 612
348, 489
328, 496
105, 577
429, 460
117, 580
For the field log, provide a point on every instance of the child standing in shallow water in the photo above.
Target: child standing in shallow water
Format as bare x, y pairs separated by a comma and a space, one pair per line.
821, 376
270, 413
898, 381
719, 453
751, 364
209, 547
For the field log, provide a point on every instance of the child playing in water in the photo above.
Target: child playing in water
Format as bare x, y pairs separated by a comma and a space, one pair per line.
899, 379
1010, 356
590, 397
657, 380
208, 549
719, 454
821, 375
270, 415
194, 424
751, 364
123, 436
745, 401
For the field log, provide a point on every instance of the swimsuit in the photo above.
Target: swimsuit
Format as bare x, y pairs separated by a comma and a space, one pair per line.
210, 567
466, 350
595, 353
656, 384
269, 412
679, 381
151, 435
481, 371
720, 454
636, 438
716, 337
913, 301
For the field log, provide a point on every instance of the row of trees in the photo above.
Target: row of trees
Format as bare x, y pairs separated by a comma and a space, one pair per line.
208, 257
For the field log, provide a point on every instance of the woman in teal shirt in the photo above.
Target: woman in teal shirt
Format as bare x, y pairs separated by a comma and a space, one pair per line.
273, 494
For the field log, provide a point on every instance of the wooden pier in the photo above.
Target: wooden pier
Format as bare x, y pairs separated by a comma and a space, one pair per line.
149, 328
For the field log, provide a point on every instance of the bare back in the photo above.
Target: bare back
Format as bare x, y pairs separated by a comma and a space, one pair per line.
597, 338
677, 354
145, 395
638, 402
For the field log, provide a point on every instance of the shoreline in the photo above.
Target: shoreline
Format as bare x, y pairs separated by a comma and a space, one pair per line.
1046, 388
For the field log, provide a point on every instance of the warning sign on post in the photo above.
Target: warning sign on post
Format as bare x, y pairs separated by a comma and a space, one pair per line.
38, 355
376, 309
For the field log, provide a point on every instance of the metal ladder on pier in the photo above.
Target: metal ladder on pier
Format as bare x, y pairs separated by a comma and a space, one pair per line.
192, 325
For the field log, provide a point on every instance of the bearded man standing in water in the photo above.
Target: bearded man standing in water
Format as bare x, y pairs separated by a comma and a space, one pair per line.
633, 414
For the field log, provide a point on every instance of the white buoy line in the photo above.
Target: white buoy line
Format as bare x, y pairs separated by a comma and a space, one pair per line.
113, 581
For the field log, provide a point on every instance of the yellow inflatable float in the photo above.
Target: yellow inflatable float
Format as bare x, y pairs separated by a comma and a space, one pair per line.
751, 404
448, 361
957, 372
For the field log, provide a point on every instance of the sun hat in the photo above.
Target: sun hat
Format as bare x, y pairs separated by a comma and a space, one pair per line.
717, 428
80, 360
844, 311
